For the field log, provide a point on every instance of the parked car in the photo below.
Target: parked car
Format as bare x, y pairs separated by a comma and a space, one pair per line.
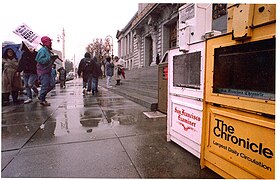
70, 76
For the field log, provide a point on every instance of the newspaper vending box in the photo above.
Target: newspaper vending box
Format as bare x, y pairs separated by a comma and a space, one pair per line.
186, 78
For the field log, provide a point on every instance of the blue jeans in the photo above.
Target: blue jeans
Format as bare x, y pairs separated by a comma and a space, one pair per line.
89, 82
53, 81
84, 84
29, 82
109, 80
46, 85
94, 84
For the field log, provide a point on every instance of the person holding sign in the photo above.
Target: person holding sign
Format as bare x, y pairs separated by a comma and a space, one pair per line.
45, 59
27, 64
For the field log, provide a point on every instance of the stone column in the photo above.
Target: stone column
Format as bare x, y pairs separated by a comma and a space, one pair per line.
139, 41
154, 37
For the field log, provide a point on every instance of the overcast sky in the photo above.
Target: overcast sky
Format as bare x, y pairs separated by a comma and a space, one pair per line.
82, 20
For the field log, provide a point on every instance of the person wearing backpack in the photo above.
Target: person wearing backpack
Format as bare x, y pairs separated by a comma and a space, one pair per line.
62, 77
45, 59
85, 69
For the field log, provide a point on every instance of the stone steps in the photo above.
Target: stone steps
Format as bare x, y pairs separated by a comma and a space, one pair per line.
140, 86
145, 90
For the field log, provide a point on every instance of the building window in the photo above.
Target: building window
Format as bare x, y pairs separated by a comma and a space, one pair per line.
246, 70
219, 10
173, 35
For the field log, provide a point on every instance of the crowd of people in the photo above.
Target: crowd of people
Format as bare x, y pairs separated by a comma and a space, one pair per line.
90, 69
36, 67
39, 68
115, 69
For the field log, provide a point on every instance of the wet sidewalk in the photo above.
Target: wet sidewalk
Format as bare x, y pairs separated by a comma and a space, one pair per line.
86, 136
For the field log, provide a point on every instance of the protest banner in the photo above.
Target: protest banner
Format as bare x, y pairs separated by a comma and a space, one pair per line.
30, 38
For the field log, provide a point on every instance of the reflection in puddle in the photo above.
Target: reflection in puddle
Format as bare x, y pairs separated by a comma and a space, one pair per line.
90, 122
123, 120
89, 130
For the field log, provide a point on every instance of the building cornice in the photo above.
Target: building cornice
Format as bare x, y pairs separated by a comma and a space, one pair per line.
143, 14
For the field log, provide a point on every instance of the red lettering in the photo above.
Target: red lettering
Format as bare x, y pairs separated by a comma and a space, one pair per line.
186, 114
187, 121
177, 111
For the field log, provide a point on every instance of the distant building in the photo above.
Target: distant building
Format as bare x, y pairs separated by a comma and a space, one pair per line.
126, 45
153, 30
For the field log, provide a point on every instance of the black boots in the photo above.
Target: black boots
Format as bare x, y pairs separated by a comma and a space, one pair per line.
118, 82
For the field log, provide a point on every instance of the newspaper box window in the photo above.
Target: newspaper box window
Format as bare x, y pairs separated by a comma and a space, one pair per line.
246, 70
188, 68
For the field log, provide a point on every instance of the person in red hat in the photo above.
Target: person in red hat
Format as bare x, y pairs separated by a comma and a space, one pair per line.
45, 59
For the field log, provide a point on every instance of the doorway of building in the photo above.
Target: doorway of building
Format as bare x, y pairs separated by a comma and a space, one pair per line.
148, 51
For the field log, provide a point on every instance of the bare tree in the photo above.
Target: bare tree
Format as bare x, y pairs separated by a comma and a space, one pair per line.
99, 49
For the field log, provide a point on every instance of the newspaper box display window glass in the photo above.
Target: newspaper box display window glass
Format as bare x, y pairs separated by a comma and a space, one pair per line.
187, 69
246, 70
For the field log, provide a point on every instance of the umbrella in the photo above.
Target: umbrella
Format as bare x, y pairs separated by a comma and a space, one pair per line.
15, 47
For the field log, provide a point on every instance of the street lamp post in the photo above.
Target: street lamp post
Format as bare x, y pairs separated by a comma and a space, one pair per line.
106, 38
74, 62
62, 36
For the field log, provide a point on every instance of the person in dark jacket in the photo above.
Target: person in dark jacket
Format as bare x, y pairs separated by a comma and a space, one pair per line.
109, 71
97, 72
85, 69
28, 64
62, 77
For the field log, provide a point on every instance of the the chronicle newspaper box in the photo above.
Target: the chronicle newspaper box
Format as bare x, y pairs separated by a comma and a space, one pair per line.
239, 115
186, 78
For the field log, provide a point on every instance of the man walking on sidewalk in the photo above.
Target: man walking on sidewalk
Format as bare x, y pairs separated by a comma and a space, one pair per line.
85, 70
97, 72
109, 68
62, 77
45, 60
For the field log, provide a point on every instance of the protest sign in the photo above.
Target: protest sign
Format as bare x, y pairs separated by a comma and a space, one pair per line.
30, 38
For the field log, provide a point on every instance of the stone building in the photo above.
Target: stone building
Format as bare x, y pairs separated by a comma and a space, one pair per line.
154, 29
150, 32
